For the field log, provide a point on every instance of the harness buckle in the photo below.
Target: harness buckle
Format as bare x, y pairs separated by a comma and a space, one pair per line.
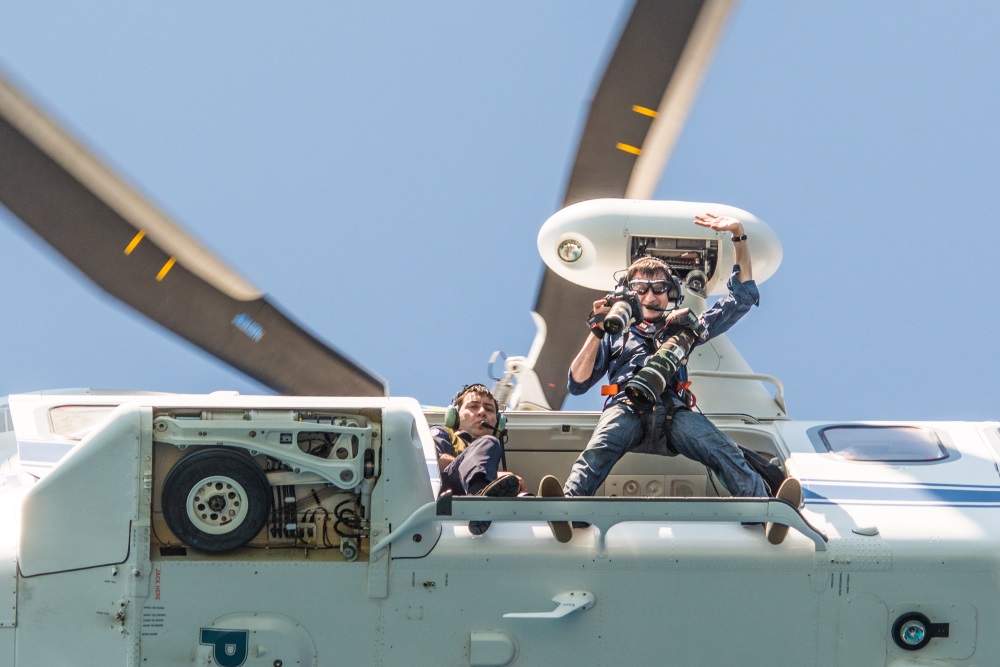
684, 391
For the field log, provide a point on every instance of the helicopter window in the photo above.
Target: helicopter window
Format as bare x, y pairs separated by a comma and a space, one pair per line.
75, 421
891, 444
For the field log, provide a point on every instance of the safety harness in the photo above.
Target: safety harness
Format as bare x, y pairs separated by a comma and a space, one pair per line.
653, 332
458, 443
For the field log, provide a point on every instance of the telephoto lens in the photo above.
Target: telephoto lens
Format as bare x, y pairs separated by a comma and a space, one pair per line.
619, 318
652, 378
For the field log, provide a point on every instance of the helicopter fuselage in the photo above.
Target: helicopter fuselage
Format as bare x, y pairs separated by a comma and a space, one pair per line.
359, 560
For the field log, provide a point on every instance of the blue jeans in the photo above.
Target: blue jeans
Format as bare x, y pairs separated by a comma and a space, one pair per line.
474, 468
619, 431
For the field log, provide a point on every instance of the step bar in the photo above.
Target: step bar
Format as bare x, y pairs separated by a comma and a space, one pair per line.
604, 513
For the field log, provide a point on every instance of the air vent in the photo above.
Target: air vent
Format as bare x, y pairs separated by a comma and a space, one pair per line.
6, 423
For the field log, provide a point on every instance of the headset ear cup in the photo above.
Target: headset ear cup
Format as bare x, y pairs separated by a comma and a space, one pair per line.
451, 418
501, 423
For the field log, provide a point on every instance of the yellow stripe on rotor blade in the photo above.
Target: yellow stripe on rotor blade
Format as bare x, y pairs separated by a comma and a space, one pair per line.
166, 269
645, 111
628, 149
135, 241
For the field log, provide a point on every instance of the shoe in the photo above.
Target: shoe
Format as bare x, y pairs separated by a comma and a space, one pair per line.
791, 492
505, 486
550, 487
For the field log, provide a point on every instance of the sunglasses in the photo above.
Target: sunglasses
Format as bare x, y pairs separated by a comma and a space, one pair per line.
640, 287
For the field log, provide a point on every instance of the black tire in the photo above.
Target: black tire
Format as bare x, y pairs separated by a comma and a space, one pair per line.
216, 500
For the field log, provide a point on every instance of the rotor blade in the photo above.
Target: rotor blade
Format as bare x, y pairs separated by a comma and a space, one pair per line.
635, 117
135, 253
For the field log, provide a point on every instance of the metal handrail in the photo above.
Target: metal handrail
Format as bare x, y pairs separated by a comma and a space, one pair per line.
779, 389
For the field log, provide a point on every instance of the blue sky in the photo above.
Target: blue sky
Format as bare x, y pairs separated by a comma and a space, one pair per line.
381, 170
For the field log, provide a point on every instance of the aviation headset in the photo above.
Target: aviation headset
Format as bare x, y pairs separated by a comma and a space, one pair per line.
674, 293
451, 419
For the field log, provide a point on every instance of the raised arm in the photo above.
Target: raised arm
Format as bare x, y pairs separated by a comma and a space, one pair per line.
735, 227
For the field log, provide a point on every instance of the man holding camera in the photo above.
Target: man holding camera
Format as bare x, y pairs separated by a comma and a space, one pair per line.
635, 418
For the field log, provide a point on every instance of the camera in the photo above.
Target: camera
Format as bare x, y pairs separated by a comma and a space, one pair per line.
652, 378
625, 306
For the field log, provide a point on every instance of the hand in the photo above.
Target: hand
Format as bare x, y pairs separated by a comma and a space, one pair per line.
720, 223
444, 460
674, 314
521, 486
601, 308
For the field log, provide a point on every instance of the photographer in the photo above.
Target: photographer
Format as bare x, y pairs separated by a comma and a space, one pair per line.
666, 426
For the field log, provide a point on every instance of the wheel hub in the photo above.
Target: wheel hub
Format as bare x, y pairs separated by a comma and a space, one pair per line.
217, 505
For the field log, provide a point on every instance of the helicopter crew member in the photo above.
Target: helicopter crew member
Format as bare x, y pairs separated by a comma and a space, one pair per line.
469, 451
468, 444
669, 427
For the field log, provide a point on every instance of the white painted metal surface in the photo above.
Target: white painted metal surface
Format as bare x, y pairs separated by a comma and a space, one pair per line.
604, 229
662, 580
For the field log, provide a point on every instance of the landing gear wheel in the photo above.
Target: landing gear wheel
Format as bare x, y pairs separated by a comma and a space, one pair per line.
216, 500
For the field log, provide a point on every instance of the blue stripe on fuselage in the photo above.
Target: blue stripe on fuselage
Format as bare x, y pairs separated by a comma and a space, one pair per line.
831, 492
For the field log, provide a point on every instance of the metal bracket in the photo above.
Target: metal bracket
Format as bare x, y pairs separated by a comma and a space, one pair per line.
275, 438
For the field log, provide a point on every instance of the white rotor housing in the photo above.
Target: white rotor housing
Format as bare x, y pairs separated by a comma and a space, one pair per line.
602, 232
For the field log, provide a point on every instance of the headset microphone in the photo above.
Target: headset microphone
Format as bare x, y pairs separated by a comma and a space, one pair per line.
451, 417
486, 424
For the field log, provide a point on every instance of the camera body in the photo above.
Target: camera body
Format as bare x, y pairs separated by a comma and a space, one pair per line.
625, 306
652, 378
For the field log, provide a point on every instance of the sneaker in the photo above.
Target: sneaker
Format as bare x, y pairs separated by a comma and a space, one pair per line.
505, 486
551, 488
791, 492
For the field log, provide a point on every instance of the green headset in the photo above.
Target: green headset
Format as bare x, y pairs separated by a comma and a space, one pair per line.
451, 419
